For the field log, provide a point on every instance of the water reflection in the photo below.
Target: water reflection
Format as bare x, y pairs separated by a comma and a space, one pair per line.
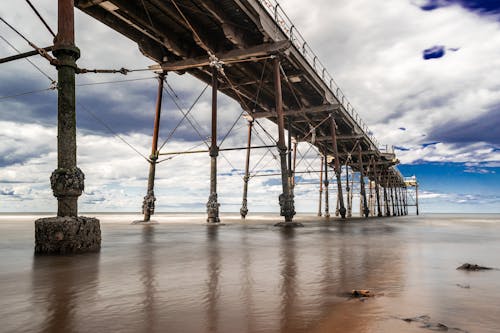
212, 283
221, 279
62, 286
148, 277
247, 281
288, 279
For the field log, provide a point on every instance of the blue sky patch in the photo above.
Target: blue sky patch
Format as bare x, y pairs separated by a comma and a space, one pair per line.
434, 52
480, 6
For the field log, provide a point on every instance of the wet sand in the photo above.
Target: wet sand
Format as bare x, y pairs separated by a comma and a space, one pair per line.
182, 276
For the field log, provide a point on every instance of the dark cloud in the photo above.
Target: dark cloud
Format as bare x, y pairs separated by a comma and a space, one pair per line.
480, 6
430, 144
401, 148
434, 52
483, 128
7, 192
402, 128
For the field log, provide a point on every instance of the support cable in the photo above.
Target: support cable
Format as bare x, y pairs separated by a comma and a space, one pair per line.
183, 112
52, 81
203, 45
53, 87
172, 132
115, 81
41, 51
25, 93
115, 134
174, 156
41, 18
256, 100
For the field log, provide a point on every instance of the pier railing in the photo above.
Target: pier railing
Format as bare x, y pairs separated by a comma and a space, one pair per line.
281, 18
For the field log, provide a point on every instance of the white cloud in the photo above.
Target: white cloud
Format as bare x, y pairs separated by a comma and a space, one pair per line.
372, 48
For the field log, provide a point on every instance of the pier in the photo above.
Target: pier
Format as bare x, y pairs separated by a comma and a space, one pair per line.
251, 51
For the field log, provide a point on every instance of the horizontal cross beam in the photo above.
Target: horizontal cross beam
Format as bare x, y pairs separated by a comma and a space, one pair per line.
230, 56
339, 138
25, 55
300, 112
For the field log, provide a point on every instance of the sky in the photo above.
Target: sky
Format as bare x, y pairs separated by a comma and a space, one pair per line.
424, 75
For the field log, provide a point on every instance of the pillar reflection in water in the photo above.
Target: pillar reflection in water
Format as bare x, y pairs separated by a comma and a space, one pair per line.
148, 277
212, 295
288, 279
247, 283
62, 287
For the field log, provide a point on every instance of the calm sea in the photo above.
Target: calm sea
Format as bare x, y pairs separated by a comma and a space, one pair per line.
182, 276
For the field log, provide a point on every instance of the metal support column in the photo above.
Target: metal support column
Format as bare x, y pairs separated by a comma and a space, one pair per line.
377, 178
416, 198
348, 191
320, 186
67, 233
326, 183
148, 205
366, 211
67, 181
246, 178
396, 195
337, 168
386, 201
392, 197
401, 203
212, 204
287, 208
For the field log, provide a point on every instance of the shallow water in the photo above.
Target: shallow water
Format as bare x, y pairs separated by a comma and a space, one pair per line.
182, 276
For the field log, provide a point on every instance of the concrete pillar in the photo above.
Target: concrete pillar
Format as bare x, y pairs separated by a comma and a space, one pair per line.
67, 233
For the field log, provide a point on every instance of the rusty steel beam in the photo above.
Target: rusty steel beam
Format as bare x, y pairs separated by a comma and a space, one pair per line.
320, 186
148, 205
212, 204
347, 137
326, 108
366, 211
25, 54
326, 183
337, 168
230, 56
246, 178
287, 208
